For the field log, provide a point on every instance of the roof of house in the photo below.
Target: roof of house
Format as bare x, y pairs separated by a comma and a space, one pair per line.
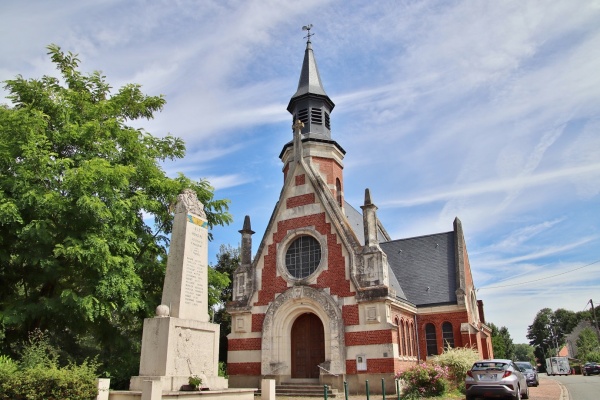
422, 269
425, 267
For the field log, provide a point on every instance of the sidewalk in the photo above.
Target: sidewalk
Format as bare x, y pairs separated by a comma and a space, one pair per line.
549, 389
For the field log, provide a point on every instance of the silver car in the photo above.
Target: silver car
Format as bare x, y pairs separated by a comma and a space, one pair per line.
496, 378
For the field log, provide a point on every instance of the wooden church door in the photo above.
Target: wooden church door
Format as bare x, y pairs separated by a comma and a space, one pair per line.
308, 346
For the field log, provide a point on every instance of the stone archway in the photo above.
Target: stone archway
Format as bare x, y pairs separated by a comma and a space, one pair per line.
277, 330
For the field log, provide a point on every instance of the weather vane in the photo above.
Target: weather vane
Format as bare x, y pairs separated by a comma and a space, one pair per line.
308, 35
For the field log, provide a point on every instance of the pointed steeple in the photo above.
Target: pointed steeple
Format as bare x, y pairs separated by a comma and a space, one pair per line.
310, 104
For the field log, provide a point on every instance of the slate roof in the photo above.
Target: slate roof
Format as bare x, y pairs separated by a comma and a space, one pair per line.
425, 267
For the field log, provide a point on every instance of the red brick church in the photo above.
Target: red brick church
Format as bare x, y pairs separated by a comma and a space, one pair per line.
329, 295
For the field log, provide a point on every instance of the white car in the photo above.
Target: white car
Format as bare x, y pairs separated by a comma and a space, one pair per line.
496, 378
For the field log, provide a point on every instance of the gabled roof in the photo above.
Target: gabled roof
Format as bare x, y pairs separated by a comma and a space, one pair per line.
427, 265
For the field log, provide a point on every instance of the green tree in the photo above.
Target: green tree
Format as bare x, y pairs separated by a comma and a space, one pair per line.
228, 260
85, 213
539, 335
524, 352
502, 343
549, 329
587, 343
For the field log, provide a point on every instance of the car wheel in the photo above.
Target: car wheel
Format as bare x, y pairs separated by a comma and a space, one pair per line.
526, 395
517, 396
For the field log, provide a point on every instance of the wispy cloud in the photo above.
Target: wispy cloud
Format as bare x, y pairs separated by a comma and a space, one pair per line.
495, 186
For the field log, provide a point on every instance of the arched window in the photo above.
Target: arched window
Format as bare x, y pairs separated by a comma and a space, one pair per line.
397, 321
411, 329
403, 338
338, 191
447, 334
431, 340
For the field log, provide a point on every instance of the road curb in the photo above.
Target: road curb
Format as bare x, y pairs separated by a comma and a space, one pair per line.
564, 393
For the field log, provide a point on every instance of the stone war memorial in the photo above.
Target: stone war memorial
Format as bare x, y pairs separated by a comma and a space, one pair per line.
180, 342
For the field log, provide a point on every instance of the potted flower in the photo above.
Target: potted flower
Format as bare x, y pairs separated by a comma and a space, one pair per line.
195, 382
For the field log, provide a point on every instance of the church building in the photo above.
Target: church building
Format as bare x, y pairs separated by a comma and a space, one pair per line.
329, 296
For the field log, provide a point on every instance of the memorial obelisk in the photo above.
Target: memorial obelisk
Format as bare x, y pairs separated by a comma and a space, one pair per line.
180, 341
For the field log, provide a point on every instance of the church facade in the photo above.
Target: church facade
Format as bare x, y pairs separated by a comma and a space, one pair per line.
329, 296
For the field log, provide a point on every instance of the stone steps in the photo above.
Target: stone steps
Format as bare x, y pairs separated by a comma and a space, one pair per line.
302, 389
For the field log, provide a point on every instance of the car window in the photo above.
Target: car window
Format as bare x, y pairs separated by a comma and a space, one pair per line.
527, 366
481, 366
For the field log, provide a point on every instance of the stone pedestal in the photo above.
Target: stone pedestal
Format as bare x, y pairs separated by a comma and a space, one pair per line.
180, 342
173, 349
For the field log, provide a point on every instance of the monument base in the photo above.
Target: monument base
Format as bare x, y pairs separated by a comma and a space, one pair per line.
175, 349
175, 383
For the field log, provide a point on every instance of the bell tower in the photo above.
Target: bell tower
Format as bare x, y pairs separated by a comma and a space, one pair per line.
312, 107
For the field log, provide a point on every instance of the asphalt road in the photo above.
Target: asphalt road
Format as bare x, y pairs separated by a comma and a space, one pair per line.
580, 387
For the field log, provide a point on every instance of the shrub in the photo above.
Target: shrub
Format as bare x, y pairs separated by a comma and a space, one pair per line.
458, 360
7, 365
74, 382
424, 380
38, 377
37, 351
223, 369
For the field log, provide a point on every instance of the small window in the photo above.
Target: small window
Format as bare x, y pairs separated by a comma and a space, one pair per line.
327, 121
447, 334
431, 339
338, 191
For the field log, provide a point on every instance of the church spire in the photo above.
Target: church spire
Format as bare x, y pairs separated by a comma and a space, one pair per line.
310, 104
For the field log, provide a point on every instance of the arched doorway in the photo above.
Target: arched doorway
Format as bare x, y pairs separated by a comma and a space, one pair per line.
308, 346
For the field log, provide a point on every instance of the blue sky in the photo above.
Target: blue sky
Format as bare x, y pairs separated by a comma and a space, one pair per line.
485, 110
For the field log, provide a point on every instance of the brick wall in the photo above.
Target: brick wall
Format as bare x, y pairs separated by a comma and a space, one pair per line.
350, 315
374, 365
257, 322
252, 368
300, 200
244, 344
455, 318
330, 278
369, 337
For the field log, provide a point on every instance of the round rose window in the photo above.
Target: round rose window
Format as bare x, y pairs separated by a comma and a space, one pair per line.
303, 256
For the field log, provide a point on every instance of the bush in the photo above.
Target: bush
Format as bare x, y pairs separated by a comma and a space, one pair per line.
74, 382
424, 380
38, 377
458, 360
37, 352
7, 366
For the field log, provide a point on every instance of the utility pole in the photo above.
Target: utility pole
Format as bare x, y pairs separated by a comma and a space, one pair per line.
595, 320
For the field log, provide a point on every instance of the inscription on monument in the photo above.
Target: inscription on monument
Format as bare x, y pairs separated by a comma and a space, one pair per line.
194, 268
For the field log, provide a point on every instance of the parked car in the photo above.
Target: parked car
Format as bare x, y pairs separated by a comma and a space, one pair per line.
529, 371
496, 378
590, 368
